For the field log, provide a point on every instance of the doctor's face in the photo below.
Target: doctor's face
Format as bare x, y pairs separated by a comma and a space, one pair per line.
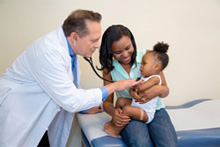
90, 42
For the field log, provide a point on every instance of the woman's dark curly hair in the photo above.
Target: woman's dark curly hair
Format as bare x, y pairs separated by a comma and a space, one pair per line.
112, 34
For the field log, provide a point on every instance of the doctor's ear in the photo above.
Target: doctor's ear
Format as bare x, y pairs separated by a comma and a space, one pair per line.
73, 35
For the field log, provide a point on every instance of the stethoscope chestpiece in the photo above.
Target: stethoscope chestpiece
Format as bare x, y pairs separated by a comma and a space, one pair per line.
139, 78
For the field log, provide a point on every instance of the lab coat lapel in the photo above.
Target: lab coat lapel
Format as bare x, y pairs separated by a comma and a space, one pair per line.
77, 72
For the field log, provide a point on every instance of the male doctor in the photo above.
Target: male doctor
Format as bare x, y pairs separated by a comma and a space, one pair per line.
40, 91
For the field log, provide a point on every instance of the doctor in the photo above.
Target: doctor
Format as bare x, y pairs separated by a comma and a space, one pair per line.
40, 91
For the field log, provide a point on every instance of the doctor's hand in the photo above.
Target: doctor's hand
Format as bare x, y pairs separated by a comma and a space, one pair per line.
94, 110
119, 119
121, 85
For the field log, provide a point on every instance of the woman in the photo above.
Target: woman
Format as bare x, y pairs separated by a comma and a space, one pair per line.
120, 59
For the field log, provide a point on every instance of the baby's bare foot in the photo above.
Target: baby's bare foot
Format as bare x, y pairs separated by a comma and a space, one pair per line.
111, 129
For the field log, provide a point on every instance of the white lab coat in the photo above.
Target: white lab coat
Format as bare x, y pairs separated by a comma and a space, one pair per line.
37, 94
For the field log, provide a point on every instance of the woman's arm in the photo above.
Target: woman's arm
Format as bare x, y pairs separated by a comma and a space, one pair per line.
115, 87
108, 103
164, 90
118, 118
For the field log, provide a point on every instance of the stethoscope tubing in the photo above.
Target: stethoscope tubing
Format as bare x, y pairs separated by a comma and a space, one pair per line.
93, 68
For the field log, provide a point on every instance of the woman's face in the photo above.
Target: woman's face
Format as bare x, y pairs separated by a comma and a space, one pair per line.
122, 50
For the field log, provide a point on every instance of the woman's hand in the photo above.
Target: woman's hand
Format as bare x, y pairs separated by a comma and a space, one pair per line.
119, 119
151, 92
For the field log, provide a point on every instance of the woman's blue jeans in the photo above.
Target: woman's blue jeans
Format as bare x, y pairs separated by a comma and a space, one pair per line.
160, 132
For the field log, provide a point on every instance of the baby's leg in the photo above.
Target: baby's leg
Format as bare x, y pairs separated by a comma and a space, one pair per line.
135, 113
110, 127
122, 102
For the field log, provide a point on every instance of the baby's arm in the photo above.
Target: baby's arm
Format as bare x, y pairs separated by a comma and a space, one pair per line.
148, 84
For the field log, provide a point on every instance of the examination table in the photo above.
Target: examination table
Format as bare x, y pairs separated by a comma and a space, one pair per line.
197, 123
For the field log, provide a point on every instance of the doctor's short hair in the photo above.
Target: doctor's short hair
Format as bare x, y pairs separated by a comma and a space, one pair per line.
75, 22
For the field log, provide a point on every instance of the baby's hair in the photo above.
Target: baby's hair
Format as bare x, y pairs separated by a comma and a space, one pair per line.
160, 50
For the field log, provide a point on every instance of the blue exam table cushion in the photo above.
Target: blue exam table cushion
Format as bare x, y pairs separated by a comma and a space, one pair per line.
197, 123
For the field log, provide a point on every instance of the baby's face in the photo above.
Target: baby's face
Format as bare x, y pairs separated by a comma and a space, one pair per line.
149, 65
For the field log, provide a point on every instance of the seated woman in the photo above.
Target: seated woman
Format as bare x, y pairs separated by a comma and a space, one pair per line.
120, 59
153, 62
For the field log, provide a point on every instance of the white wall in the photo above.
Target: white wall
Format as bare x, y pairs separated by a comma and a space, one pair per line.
191, 27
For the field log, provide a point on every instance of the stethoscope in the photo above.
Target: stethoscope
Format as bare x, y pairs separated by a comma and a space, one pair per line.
93, 68
91, 64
